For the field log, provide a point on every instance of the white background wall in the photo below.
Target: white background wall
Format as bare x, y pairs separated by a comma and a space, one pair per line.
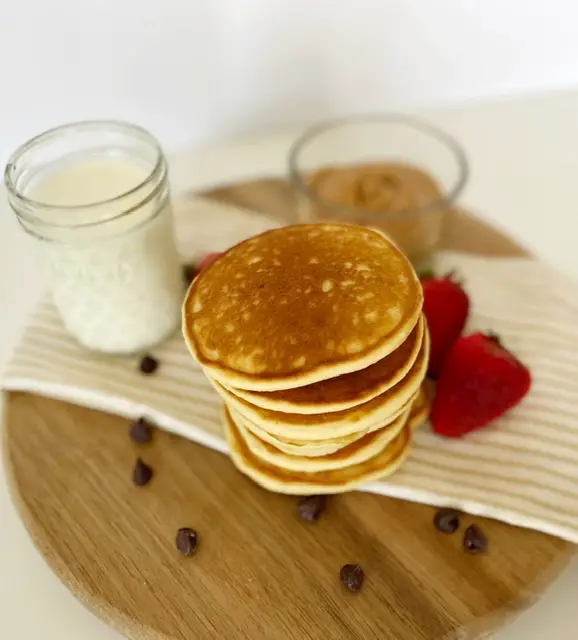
197, 70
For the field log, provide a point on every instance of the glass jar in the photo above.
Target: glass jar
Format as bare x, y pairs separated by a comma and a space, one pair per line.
393, 173
95, 196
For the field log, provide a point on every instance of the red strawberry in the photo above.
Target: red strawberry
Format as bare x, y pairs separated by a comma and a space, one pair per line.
480, 380
208, 260
446, 307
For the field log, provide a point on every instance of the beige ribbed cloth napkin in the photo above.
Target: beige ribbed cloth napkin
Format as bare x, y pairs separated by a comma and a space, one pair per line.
522, 470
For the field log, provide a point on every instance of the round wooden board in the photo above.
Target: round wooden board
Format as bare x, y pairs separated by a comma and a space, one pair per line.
260, 573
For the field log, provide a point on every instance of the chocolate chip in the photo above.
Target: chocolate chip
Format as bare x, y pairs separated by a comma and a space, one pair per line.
447, 520
189, 272
141, 431
475, 541
142, 473
187, 540
311, 507
351, 576
148, 365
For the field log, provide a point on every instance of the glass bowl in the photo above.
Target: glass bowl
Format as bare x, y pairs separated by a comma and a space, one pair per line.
394, 173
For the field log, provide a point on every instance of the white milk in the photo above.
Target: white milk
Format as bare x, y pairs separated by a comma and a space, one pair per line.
117, 282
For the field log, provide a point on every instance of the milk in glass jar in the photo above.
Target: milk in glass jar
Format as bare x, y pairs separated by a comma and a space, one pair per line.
95, 197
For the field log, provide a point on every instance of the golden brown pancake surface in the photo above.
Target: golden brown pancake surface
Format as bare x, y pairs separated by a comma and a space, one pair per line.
301, 304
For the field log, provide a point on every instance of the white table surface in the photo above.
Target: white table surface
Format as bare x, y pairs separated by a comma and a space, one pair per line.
524, 157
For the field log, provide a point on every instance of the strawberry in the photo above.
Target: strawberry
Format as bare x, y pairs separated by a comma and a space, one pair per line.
446, 307
208, 260
480, 380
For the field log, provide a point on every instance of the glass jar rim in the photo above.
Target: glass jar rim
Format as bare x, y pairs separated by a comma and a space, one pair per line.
15, 195
412, 122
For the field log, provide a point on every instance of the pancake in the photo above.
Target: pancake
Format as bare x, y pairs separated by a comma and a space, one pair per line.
269, 477
315, 448
356, 452
419, 404
300, 304
344, 392
421, 408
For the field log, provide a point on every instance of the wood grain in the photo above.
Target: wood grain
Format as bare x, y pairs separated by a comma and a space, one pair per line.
259, 573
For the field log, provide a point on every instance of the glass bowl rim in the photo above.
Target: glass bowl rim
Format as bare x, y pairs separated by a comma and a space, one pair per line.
422, 126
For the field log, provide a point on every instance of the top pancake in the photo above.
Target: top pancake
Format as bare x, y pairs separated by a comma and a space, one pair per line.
300, 304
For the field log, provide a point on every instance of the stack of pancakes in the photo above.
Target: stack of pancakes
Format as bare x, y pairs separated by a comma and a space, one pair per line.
315, 339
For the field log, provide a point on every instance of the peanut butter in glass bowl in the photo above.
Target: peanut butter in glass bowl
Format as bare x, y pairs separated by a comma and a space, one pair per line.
394, 174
